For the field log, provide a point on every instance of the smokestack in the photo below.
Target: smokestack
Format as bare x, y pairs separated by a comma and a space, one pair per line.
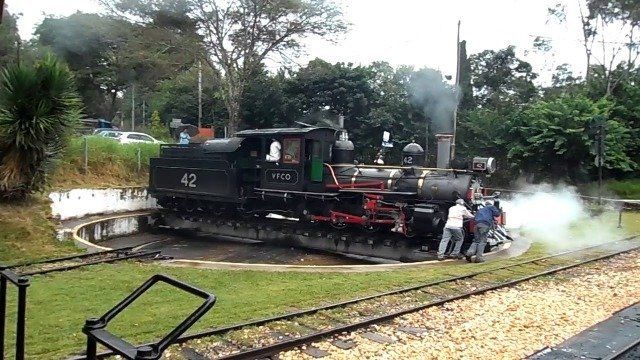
444, 151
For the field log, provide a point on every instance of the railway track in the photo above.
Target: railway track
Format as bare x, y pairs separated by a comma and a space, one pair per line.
628, 353
76, 261
266, 337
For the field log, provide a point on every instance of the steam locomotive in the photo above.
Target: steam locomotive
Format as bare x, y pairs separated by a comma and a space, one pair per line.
310, 174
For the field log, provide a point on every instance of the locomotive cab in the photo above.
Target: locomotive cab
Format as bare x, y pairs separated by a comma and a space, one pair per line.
298, 167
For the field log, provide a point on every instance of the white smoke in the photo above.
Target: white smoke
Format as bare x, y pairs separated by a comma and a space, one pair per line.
558, 218
437, 98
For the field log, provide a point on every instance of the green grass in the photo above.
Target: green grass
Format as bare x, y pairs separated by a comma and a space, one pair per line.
109, 164
27, 232
623, 189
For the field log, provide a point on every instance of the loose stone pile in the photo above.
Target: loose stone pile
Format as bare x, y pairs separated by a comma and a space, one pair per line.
510, 323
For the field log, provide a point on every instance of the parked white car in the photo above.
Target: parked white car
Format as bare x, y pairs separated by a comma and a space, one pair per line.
111, 134
134, 137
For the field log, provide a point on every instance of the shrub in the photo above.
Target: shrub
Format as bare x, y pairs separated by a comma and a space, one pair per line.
39, 109
158, 130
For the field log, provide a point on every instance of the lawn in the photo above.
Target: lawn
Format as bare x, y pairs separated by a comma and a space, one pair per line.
109, 164
27, 232
60, 302
622, 189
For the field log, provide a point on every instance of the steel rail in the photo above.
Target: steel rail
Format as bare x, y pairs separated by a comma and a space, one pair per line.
222, 330
278, 347
65, 258
100, 261
624, 352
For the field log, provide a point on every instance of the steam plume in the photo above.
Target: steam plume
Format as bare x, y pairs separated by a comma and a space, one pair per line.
557, 218
435, 97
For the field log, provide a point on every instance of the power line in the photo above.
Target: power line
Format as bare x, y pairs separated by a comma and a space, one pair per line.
546, 37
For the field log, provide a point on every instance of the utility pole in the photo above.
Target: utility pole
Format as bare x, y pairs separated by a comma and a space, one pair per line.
199, 94
426, 142
600, 158
133, 107
144, 113
1, 10
455, 111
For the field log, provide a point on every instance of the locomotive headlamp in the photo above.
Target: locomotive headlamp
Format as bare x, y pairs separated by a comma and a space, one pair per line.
486, 165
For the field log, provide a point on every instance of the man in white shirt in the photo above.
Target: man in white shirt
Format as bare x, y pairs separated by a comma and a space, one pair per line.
274, 151
453, 228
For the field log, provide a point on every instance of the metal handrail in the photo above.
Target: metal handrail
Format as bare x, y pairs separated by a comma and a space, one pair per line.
22, 283
96, 333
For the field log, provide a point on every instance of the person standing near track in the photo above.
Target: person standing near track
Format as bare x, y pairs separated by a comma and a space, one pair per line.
484, 222
184, 137
453, 229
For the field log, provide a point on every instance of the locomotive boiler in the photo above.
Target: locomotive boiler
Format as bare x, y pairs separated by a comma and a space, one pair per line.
310, 174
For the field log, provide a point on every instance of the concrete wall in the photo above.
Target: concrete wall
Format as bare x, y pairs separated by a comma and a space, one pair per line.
78, 203
90, 235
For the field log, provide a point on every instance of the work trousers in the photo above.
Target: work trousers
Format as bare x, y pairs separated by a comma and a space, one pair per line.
479, 241
447, 234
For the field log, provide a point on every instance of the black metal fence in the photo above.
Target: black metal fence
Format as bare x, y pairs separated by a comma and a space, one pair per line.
22, 283
96, 332
95, 329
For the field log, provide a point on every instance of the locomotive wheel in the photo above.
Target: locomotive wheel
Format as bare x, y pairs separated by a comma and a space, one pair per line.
246, 214
371, 228
190, 206
410, 233
338, 225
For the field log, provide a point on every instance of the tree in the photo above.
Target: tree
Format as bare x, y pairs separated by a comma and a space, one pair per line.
240, 34
177, 97
486, 132
466, 88
501, 80
266, 103
609, 28
391, 111
93, 46
554, 139
9, 38
322, 91
158, 129
109, 55
38, 109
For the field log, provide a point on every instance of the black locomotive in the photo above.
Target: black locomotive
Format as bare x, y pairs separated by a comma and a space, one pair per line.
310, 174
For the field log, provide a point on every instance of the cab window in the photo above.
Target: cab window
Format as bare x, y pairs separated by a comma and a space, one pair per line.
291, 151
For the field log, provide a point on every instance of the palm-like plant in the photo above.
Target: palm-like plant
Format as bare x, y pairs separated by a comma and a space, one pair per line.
39, 108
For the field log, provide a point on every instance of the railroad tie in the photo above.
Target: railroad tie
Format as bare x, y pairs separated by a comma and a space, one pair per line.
343, 344
191, 353
411, 330
315, 352
379, 338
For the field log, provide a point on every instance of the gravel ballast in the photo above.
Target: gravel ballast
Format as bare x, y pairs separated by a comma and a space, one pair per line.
509, 323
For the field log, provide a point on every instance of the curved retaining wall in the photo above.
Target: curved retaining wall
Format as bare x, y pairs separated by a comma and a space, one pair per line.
90, 234
78, 203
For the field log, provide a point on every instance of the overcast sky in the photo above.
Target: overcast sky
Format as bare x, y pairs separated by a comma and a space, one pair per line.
412, 32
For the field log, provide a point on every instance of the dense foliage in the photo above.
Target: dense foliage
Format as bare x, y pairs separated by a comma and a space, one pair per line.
38, 109
8, 39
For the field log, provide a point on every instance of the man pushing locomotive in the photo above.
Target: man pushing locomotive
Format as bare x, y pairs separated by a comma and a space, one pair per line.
484, 221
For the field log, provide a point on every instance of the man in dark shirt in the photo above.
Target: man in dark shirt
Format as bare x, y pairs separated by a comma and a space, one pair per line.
484, 222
